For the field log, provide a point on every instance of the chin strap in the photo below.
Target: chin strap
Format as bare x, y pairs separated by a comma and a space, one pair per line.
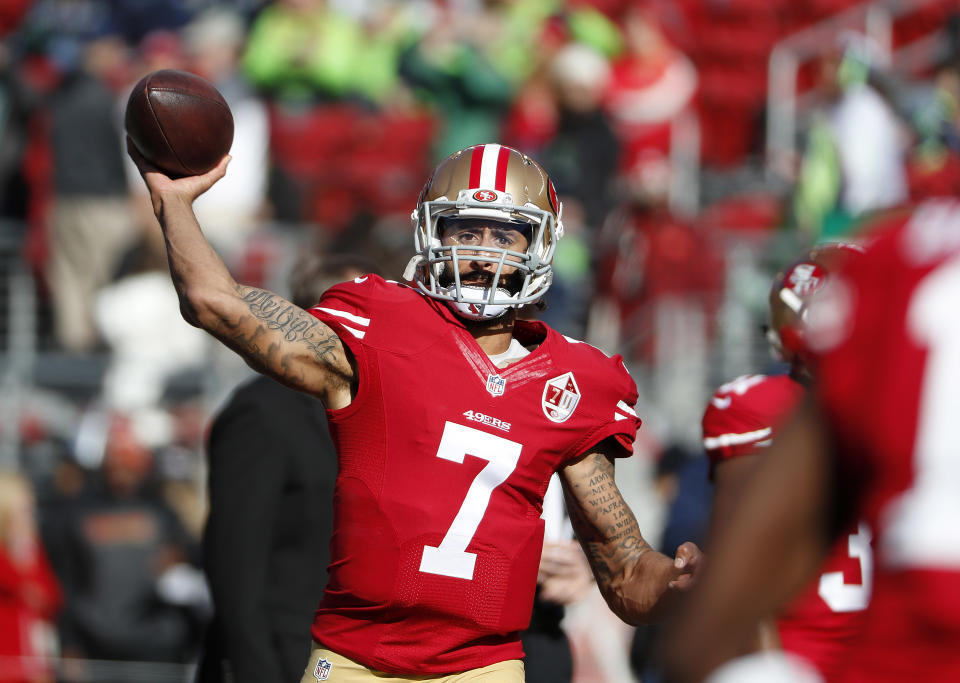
411, 268
473, 304
472, 311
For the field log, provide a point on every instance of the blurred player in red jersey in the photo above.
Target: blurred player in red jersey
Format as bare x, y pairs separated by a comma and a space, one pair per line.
449, 415
738, 425
877, 440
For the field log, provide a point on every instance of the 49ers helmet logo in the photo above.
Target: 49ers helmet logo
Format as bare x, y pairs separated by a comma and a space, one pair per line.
560, 397
805, 278
485, 195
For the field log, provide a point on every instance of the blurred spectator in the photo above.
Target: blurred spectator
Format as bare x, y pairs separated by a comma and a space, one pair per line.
136, 20
29, 593
454, 69
158, 49
682, 482
651, 83
568, 300
272, 468
553, 27
854, 161
13, 137
563, 578
583, 152
138, 315
651, 261
934, 164
90, 220
11, 13
231, 210
324, 73
303, 51
131, 21
131, 595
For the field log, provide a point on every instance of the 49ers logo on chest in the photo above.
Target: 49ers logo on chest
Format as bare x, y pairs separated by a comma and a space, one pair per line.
560, 397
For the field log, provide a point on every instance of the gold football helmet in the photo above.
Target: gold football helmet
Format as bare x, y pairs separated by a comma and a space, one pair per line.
501, 185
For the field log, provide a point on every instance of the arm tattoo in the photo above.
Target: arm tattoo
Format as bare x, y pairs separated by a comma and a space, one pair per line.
604, 522
278, 314
296, 326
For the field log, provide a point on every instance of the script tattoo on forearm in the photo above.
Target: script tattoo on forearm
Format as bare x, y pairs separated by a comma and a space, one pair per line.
604, 521
281, 315
295, 324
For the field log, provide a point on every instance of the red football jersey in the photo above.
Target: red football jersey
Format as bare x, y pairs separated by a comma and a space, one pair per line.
889, 334
824, 619
444, 462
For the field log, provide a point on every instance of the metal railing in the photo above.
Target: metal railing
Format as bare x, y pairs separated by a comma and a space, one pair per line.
31, 363
875, 19
74, 670
18, 337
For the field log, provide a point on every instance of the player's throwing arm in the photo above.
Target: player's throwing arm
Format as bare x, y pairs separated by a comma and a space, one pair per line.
271, 334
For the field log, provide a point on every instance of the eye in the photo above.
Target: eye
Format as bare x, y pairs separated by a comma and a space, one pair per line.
467, 237
505, 240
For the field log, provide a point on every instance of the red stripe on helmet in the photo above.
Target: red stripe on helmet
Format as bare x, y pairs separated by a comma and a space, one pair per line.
476, 162
503, 160
552, 194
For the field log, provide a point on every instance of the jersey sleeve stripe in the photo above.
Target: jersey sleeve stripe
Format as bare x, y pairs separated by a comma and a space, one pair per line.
714, 442
621, 405
359, 334
343, 314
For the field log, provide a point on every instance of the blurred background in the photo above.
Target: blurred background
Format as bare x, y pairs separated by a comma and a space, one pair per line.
697, 146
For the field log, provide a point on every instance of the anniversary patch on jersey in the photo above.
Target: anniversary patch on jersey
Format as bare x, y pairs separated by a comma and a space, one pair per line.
560, 397
322, 672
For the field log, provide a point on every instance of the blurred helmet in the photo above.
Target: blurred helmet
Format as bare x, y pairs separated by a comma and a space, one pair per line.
790, 295
501, 185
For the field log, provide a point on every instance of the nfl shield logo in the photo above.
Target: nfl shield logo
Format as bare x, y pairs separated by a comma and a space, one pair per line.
560, 397
322, 672
496, 384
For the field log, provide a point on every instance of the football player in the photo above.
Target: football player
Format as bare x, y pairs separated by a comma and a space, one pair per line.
739, 423
875, 440
449, 415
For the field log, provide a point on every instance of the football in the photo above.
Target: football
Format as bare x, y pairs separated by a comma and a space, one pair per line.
179, 122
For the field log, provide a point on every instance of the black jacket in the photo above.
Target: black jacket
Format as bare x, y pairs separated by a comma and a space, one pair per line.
266, 542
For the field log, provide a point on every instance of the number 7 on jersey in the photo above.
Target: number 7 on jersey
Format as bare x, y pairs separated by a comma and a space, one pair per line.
451, 558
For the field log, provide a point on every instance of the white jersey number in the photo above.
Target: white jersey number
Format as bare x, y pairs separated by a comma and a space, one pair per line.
921, 524
850, 597
451, 558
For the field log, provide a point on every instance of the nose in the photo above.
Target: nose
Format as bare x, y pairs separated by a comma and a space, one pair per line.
480, 265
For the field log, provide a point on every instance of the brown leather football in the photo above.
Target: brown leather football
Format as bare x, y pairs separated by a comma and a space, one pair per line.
179, 122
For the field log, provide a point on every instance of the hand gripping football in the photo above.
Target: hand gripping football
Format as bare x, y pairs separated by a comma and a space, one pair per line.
179, 122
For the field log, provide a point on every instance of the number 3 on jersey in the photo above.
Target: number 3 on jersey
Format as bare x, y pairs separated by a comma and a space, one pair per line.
850, 597
451, 558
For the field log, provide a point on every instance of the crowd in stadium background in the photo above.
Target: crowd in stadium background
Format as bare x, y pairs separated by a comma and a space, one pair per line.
696, 145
